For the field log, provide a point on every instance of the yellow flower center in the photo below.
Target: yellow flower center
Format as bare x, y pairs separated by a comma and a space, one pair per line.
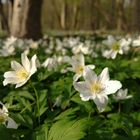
79, 69
3, 118
96, 87
22, 74
116, 46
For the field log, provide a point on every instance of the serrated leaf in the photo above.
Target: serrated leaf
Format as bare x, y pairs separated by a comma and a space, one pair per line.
24, 120
26, 95
68, 113
41, 133
68, 129
42, 96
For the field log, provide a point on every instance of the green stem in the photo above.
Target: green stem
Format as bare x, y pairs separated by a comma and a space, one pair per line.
119, 108
37, 101
89, 115
26, 107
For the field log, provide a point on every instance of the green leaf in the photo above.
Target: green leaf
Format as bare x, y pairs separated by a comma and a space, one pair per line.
26, 95
23, 119
68, 129
5, 133
41, 133
67, 113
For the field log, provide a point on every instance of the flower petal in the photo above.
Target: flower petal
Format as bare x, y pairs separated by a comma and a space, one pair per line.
82, 59
25, 62
77, 60
84, 90
111, 40
90, 76
81, 86
33, 65
113, 54
16, 66
11, 124
104, 76
11, 80
76, 77
101, 102
90, 66
19, 84
85, 96
9, 74
112, 86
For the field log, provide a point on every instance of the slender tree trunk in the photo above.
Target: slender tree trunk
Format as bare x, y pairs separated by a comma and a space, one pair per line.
55, 8
113, 14
92, 15
101, 11
136, 15
63, 14
3, 19
26, 22
10, 14
121, 25
17, 18
75, 16
31, 27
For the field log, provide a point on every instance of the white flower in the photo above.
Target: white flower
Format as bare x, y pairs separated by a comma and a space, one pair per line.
97, 88
3, 113
8, 47
71, 41
5, 119
21, 73
78, 66
11, 40
50, 63
33, 44
136, 42
122, 95
80, 49
115, 46
7, 51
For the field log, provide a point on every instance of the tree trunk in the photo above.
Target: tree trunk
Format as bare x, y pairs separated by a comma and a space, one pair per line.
75, 16
121, 24
3, 19
10, 14
101, 11
136, 15
63, 15
26, 22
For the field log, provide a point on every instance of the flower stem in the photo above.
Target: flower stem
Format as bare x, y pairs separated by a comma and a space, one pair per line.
26, 107
37, 101
119, 108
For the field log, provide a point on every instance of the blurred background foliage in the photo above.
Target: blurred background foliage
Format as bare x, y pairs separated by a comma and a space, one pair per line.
68, 15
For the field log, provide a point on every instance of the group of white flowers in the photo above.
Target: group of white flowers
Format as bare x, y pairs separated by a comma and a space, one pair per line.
96, 88
90, 85
60, 47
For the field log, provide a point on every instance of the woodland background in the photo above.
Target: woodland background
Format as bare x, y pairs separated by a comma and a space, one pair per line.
32, 18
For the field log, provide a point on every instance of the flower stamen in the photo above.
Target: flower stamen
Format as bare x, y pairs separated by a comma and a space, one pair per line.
22, 74
79, 69
96, 87
115, 46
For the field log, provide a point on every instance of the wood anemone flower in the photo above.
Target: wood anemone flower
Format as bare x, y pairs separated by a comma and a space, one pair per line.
122, 95
78, 66
5, 119
21, 73
97, 88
